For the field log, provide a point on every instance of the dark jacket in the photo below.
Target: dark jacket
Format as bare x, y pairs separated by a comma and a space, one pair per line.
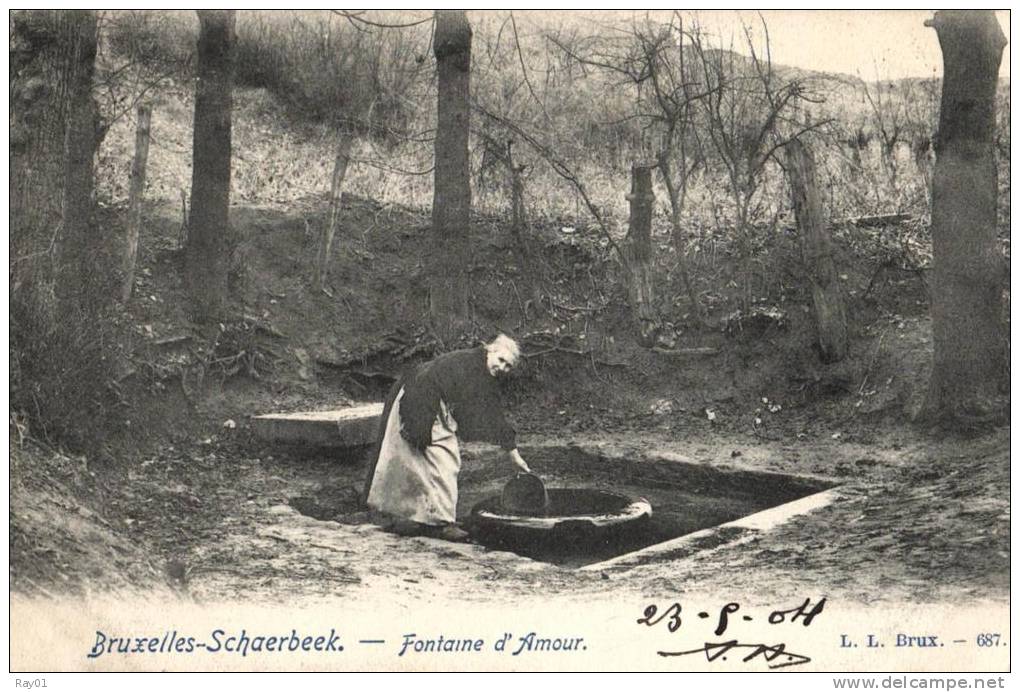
461, 380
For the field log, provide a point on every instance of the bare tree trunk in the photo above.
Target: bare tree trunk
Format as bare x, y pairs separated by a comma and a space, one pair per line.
746, 245
343, 159
136, 194
451, 203
890, 165
208, 245
639, 250
969, 369
76, 246
58, 284
40, 55
855, 153
816, 251
518, 227
53, 123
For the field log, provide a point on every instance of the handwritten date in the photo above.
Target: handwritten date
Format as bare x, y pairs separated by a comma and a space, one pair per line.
776, 655
805, 611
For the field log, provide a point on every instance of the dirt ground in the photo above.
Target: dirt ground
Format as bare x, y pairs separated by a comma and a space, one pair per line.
187, 503
914, 521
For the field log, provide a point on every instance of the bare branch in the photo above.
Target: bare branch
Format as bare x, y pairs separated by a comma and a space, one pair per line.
564, 171
356, 18
393, 169
803, 131
524, 68
620, 66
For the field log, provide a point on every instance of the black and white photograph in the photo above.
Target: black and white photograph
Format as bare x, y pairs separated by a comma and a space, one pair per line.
510, 341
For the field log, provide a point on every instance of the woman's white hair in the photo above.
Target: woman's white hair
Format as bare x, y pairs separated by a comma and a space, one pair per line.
504, 343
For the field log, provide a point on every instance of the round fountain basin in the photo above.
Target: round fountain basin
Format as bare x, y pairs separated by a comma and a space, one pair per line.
580, 513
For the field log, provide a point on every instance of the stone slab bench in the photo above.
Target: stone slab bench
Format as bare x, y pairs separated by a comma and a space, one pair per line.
345, 427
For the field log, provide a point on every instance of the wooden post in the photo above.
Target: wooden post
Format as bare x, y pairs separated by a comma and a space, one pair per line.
639, 251
136, 193
517, 211
343, 159
816, 251
182, 233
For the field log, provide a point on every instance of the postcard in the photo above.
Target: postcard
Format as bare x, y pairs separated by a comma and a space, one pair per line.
507, 340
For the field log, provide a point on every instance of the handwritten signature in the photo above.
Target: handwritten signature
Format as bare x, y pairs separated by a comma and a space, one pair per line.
715, 650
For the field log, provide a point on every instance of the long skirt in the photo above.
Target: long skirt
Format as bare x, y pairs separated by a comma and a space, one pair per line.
414, 485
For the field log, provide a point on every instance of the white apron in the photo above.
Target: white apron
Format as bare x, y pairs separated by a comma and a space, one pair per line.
417, 486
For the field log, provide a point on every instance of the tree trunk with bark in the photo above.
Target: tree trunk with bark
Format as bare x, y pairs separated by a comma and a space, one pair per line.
39, 58
970, 353
451, 203
52, 149
639, 253
343, 159
816, 252
78, 247
136, 194
59, 282
209, 245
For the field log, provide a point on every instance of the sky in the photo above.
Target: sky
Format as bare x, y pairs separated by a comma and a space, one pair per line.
871, 44
874, 44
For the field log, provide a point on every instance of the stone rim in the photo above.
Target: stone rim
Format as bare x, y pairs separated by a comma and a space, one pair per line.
634, 509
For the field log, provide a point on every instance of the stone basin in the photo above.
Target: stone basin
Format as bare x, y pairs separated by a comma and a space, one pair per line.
573, 515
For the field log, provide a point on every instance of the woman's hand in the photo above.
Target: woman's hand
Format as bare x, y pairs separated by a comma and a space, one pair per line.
518, 461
